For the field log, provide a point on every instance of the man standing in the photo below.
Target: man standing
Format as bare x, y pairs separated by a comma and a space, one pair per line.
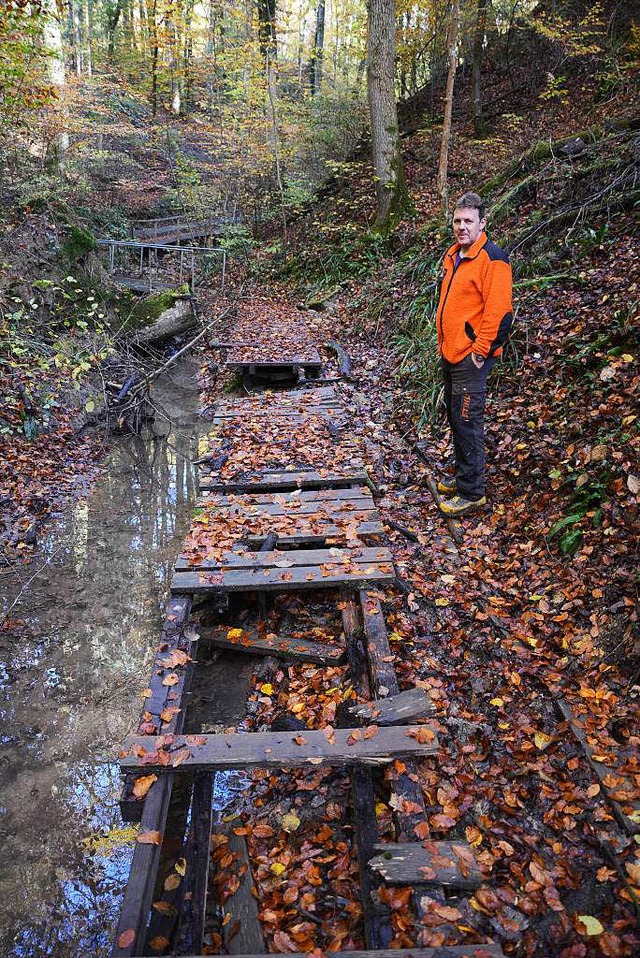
473, 320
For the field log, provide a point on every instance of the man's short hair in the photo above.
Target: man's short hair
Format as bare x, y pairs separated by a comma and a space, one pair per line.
471, 201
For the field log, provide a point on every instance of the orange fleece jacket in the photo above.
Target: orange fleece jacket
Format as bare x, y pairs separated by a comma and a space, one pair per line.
474, 312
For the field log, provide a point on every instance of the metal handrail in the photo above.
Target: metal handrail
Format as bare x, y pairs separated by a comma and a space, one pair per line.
142, 245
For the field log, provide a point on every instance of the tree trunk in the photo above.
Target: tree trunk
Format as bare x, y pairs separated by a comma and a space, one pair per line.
52, 36
476, 91
267, 28
86, 33
155, 48
452, 43
112, 26
315, 67
392, 196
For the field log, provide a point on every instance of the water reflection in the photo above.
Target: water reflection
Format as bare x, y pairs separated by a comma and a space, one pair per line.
73, 677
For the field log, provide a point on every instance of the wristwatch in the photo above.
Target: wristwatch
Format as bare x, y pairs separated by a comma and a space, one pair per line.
478, 358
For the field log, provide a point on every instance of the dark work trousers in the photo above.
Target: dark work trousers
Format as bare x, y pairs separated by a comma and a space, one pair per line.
465, 392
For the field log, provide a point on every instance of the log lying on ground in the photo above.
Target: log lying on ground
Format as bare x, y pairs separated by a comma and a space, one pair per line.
174, 321
344, 362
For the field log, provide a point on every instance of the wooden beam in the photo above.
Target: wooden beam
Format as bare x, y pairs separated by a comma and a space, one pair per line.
441, 863
190, 933
274, 579
251, 643
281, 560
381, 669
138, 894
396, 709
442, 951
282, 480
163, 710
276, 749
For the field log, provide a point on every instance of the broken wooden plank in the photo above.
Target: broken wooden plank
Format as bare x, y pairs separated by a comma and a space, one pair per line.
381, 670
410, 811
396, 709
241, 928
190, 933
442, 863
627, 809
376, 915
249, 641
274, 579
276, 749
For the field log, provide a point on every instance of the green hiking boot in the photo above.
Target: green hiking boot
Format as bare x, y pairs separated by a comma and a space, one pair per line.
459, 506
447, 485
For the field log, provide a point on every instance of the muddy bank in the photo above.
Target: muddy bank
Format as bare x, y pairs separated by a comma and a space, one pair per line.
73, 663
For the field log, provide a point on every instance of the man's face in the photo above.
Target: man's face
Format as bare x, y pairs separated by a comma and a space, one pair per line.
467, 227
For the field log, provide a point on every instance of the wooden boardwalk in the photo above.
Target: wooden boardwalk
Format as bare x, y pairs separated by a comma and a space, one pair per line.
277, 346
285, 508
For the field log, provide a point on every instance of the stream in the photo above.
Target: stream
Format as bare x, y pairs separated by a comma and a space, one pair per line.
70, 691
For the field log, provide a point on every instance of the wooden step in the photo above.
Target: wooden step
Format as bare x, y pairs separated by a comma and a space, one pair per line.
251, 643
370, 566
438, 863
282, 560
276, 749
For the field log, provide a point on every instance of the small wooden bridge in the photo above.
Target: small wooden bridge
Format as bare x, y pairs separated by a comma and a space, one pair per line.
302, 519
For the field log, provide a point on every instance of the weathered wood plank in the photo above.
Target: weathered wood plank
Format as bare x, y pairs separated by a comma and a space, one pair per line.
441, 863
330, 496
274, 749
278, 559
381, 670
241, 930
396, 709
138, 895
363, 507
384, 684
190, 933
318, 534
303, 577
164, 698
250, 642
285, 479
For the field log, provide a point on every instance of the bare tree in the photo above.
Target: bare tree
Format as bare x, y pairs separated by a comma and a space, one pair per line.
392, 196
452, 45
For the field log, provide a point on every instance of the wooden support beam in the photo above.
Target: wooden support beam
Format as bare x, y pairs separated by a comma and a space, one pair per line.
396, 709
441, 863
275, 749
382, 673
163, 710
250, 642
138, 895
189, 938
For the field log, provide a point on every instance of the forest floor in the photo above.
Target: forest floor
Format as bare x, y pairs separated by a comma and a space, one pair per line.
534, 612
